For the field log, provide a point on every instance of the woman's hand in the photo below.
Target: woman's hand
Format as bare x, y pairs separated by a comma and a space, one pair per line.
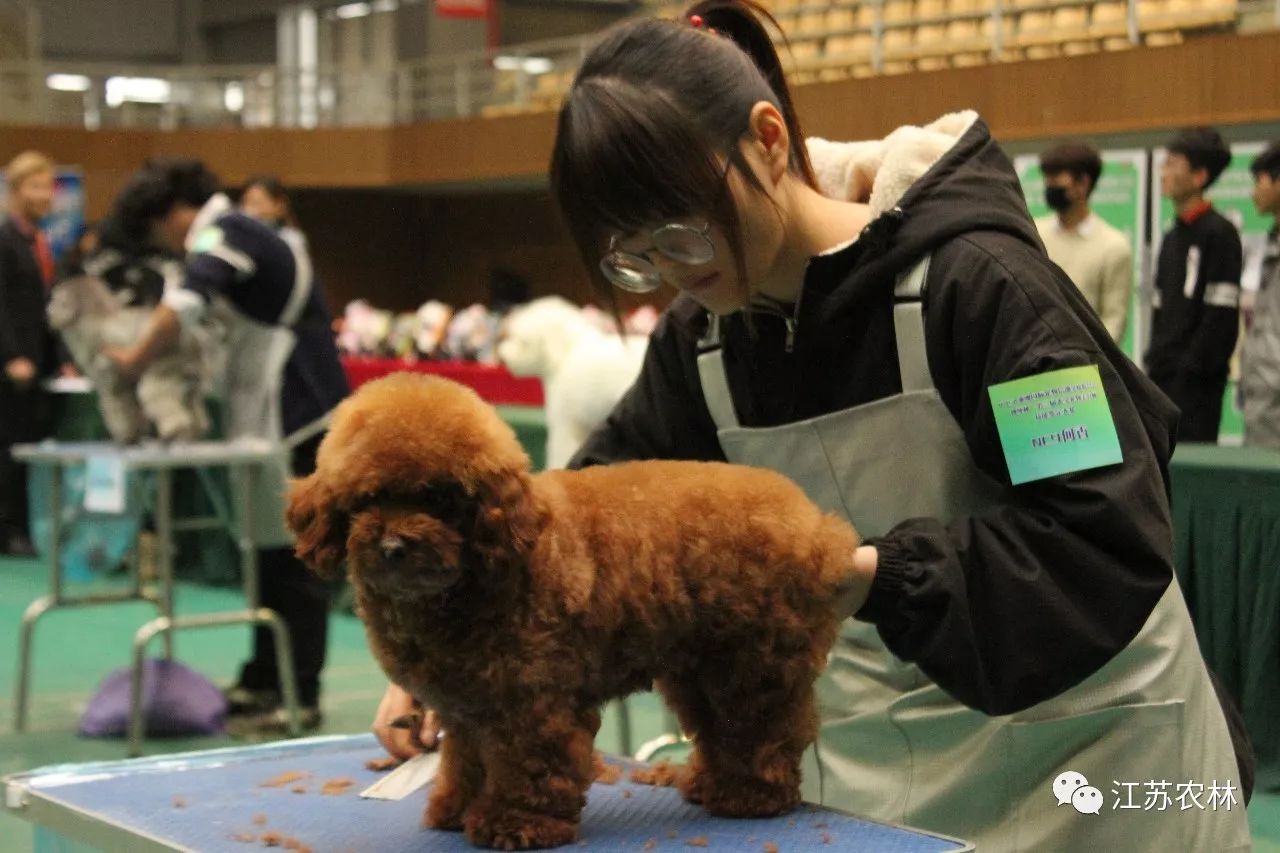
21, 371
403, 726
853, 594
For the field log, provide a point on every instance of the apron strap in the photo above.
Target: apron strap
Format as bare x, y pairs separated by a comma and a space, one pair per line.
908, 322
908, 327
301, 435
301, 292
714, 378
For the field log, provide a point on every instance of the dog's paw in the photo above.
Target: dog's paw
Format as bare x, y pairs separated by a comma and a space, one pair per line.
748, 798
518, 830
692, 784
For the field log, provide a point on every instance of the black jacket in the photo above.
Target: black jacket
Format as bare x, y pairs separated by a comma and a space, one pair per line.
1004, 609
1197, 307
256, 274
24, 328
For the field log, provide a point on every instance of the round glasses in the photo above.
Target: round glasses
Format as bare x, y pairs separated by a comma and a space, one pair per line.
635, 273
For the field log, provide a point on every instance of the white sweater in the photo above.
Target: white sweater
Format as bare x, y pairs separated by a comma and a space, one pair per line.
1099, 260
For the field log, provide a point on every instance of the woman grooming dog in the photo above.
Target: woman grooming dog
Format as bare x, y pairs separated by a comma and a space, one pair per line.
860, 336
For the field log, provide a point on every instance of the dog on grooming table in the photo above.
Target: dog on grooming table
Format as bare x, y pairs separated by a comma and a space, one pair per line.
516, 604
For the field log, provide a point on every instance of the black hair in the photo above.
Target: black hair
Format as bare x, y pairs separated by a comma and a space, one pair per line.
1268, 162
275, 188
1077, 159
269, 184
1205, 149
651, 112
159, 186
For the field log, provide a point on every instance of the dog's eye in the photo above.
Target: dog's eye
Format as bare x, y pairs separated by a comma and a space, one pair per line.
445, 500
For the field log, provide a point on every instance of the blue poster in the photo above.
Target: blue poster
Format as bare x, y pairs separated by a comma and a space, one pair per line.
64, 225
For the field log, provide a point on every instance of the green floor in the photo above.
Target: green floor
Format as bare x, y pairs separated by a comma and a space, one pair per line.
76, 648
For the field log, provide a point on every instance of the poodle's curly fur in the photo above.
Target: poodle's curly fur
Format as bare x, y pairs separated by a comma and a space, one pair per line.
516, 604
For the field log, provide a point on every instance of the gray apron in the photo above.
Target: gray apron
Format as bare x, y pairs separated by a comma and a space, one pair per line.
256, 357
895, 747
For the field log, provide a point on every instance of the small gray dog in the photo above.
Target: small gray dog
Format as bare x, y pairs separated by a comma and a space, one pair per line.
168, 399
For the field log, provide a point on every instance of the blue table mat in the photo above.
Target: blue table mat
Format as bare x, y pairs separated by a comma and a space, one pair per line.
201, 801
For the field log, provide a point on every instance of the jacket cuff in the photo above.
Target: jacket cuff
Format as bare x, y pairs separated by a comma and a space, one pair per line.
889, 583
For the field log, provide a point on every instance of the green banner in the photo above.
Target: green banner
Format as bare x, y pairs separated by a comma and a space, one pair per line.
1118, 201
1232, 197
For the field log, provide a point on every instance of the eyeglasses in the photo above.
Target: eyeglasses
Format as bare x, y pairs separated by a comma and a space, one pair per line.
635, 273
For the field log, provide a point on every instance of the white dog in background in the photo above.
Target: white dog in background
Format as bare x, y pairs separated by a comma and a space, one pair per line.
584, 370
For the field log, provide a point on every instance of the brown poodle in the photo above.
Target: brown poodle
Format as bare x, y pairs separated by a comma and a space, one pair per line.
517, 604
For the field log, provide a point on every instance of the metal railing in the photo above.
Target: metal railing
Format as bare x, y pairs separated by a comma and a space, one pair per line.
533, 76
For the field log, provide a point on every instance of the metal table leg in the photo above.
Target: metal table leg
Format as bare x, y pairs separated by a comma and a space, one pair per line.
143, 592
159, 625
249, 576
624, 727
164, 550
41, 605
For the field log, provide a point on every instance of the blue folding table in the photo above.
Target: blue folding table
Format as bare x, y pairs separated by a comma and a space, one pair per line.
217, 801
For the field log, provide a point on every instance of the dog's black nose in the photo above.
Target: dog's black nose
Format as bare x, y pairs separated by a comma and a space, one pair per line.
393, 548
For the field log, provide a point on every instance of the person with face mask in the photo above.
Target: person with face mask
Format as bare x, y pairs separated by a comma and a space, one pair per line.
1096, 256
856, 328
28, 350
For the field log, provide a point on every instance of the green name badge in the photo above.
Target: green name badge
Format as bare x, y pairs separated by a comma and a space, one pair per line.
207, 240
1055, 423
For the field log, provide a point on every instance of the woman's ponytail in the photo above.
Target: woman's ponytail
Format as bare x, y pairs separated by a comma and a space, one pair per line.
743, 22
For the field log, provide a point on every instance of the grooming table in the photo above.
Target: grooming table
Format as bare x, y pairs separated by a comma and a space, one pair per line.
242, 457
205, 800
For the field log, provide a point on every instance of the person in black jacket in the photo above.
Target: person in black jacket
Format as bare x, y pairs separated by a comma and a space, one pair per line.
283, 376
1197, 291
27, 346
855, 322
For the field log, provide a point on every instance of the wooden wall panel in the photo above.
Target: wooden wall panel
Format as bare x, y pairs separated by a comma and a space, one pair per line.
333, 157
473, 149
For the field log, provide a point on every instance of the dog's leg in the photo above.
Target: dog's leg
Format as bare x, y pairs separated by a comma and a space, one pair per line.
538, 766
686, 699
458, 781
753, 750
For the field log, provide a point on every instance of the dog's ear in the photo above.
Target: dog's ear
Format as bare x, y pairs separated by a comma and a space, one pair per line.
507, 523
320, 526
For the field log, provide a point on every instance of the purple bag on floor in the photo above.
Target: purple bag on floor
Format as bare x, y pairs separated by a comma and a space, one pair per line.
175, 701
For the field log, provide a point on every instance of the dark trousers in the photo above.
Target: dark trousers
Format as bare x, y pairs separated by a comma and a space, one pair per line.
23, 418
1200, 400
302, 599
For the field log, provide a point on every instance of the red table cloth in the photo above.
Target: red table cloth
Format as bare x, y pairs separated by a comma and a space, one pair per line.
494, 383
